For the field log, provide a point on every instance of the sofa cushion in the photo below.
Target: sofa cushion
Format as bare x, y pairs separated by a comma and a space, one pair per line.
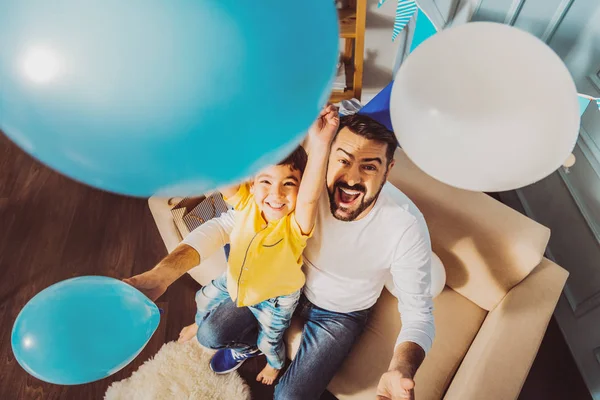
457, 322
486, 247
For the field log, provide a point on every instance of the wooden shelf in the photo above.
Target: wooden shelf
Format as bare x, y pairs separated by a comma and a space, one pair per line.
352, 20
347, 18
336, 95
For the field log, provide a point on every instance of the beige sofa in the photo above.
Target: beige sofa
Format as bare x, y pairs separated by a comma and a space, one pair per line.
490, 319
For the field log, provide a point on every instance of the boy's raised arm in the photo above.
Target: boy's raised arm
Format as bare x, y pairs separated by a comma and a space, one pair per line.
320, 135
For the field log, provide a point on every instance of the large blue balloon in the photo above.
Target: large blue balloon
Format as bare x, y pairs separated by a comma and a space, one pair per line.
171, 97
83, 329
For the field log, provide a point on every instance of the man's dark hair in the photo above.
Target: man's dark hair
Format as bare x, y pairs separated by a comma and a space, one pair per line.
296, 160
370, 129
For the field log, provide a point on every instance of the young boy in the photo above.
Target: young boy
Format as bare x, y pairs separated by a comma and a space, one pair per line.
275, 215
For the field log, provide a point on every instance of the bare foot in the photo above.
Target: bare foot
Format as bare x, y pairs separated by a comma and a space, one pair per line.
187, 333
268, 375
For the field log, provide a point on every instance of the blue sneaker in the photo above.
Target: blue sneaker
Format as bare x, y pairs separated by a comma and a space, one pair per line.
227, 360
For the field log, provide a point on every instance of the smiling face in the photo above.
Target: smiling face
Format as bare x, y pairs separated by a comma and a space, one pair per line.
356, 174
275, 191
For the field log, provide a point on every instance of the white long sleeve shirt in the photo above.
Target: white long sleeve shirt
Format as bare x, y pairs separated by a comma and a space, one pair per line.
347, 263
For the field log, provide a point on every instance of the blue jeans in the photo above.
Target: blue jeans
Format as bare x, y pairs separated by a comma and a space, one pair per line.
273, 317
327, 338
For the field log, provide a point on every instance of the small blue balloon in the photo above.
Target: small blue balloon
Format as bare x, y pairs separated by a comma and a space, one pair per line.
83, 329
175, 97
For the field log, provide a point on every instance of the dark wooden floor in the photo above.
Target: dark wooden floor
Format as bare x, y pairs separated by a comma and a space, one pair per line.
554, 374
52, 228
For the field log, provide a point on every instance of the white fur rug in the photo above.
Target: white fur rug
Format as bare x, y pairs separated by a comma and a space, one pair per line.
179, 371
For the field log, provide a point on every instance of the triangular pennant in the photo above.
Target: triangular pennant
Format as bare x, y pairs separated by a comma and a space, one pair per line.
583, 104
584, 101
423, 30
404, 12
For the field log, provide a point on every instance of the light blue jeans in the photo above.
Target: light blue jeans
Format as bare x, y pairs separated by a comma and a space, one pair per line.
327, 338
273, 316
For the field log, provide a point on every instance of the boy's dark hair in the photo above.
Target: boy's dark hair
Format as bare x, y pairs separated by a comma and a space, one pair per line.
370, 129
296, 160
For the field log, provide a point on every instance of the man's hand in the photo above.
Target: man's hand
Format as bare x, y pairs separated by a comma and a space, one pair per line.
325, 127
393, 385
151, 283
398, 382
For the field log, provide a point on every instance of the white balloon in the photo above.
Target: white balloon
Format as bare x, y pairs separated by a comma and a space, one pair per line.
438, 275
485, 106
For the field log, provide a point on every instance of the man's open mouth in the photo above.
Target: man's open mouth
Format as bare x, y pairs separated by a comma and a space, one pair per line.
347, 197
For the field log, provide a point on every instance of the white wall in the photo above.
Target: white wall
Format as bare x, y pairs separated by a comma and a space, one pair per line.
380, 51
583, 58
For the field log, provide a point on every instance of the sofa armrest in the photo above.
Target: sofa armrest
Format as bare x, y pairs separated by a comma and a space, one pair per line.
499, 359
161, 212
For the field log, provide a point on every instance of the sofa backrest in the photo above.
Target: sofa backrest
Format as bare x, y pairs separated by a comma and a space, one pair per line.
486, 247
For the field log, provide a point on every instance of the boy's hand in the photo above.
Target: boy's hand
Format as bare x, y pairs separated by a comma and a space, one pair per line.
325, 127
151, 283
155, 282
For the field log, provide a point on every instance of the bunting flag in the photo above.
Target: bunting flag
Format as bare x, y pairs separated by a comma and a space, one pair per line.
424, 29
404, 12
584, 101
583, 104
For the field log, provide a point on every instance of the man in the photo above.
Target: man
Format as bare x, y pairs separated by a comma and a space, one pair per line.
362, 234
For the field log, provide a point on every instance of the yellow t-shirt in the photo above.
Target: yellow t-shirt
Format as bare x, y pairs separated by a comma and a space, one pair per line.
265, 260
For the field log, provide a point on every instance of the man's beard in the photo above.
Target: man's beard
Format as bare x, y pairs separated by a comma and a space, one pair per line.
365, 202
